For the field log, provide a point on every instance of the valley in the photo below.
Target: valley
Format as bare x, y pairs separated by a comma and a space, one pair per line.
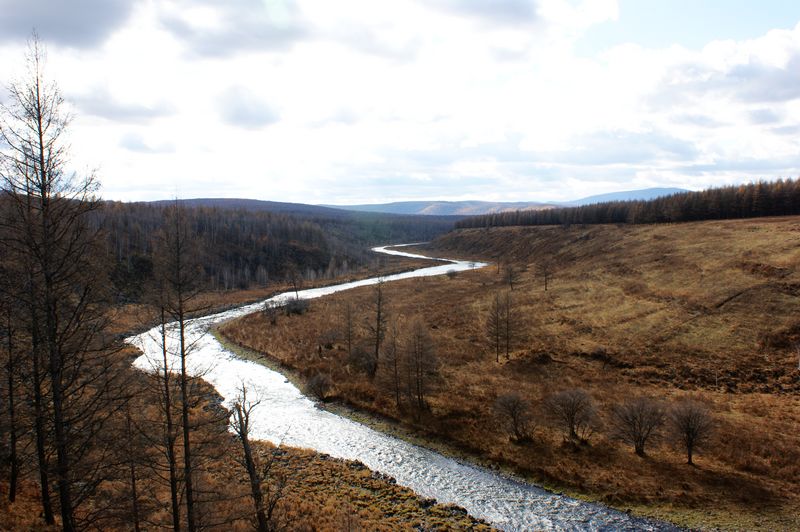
702, 311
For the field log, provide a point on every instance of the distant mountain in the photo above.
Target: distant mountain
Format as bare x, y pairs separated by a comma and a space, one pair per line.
447, 208
471, 208
257, 206
627, 195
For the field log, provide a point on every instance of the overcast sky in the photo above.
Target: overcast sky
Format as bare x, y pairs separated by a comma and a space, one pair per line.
345, 101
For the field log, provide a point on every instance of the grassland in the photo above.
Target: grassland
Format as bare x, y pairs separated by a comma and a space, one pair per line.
708, 311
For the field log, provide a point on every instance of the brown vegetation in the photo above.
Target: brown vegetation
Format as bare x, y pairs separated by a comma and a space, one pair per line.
662, 311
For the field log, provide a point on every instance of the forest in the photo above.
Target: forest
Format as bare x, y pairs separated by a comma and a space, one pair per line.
243, 244
777, 198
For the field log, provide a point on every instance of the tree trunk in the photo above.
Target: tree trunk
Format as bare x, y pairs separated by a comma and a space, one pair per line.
12, 452
255, 484
170, 431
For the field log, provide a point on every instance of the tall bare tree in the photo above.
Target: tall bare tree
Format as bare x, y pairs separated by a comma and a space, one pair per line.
181, 274
421, 362
49, 233
241, 425
376, 324
503, 328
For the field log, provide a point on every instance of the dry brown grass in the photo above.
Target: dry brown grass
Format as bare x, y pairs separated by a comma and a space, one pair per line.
706, 310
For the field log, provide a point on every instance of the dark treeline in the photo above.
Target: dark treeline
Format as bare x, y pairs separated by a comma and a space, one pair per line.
242, 247
778, 198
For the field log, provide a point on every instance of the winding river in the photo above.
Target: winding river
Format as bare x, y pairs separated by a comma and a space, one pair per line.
286, 417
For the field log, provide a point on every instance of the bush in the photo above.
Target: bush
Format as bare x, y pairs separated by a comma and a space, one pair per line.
516, 413
319, 385
362, 359
270, 311
574, 412
296, 307
636, 421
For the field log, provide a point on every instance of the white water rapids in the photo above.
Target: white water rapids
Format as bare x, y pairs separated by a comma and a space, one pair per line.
286, 417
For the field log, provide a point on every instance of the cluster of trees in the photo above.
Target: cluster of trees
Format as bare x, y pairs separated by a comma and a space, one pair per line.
398, 355
101, 440
635, 421
777, 198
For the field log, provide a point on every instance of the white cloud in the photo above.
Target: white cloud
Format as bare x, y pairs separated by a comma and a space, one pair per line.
357, 100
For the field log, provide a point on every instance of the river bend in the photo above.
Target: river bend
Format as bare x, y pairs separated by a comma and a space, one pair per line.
286, 417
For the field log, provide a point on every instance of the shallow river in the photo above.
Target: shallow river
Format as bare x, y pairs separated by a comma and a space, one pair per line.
286, 417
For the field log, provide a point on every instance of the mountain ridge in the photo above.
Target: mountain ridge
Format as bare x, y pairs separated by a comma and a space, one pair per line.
476, 207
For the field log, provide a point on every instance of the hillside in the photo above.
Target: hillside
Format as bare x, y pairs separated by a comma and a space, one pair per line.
472, 208
698, 311
449, 208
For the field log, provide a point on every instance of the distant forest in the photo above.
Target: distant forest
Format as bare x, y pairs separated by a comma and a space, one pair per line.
243, 246
777, 198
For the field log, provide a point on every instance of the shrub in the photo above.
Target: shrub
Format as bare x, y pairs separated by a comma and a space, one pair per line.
574, 412
319, 385
296, 306
516, 413
636, 421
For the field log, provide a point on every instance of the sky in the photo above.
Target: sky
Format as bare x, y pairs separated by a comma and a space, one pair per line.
357, 101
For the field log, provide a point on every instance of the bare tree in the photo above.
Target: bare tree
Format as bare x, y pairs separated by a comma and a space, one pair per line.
573, 410
393, 361
294, 277
494, 326
692, 424
545, 269
511, 275
348, 326
377, 323
267, 488
421, 362
180, 273
72, 374
637, 421
503, 329
516, 412
11, 381
240, 423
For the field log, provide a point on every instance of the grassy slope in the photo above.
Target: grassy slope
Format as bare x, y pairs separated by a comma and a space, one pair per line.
707, 310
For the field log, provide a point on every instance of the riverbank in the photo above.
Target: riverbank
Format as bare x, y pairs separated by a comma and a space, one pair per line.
730, 488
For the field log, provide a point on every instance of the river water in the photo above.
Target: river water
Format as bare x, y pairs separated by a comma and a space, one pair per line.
286, 417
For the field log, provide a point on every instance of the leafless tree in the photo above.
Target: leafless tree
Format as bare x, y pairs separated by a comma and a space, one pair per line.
348, 326
692, 424
261, 476
180, 273
503, 328
10, 332
393, 361
516, 413
240, 423
421, 362
294, 277
377, 323
72, 374
545, 269
573, 410
494, 326
637, 421
511, 275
